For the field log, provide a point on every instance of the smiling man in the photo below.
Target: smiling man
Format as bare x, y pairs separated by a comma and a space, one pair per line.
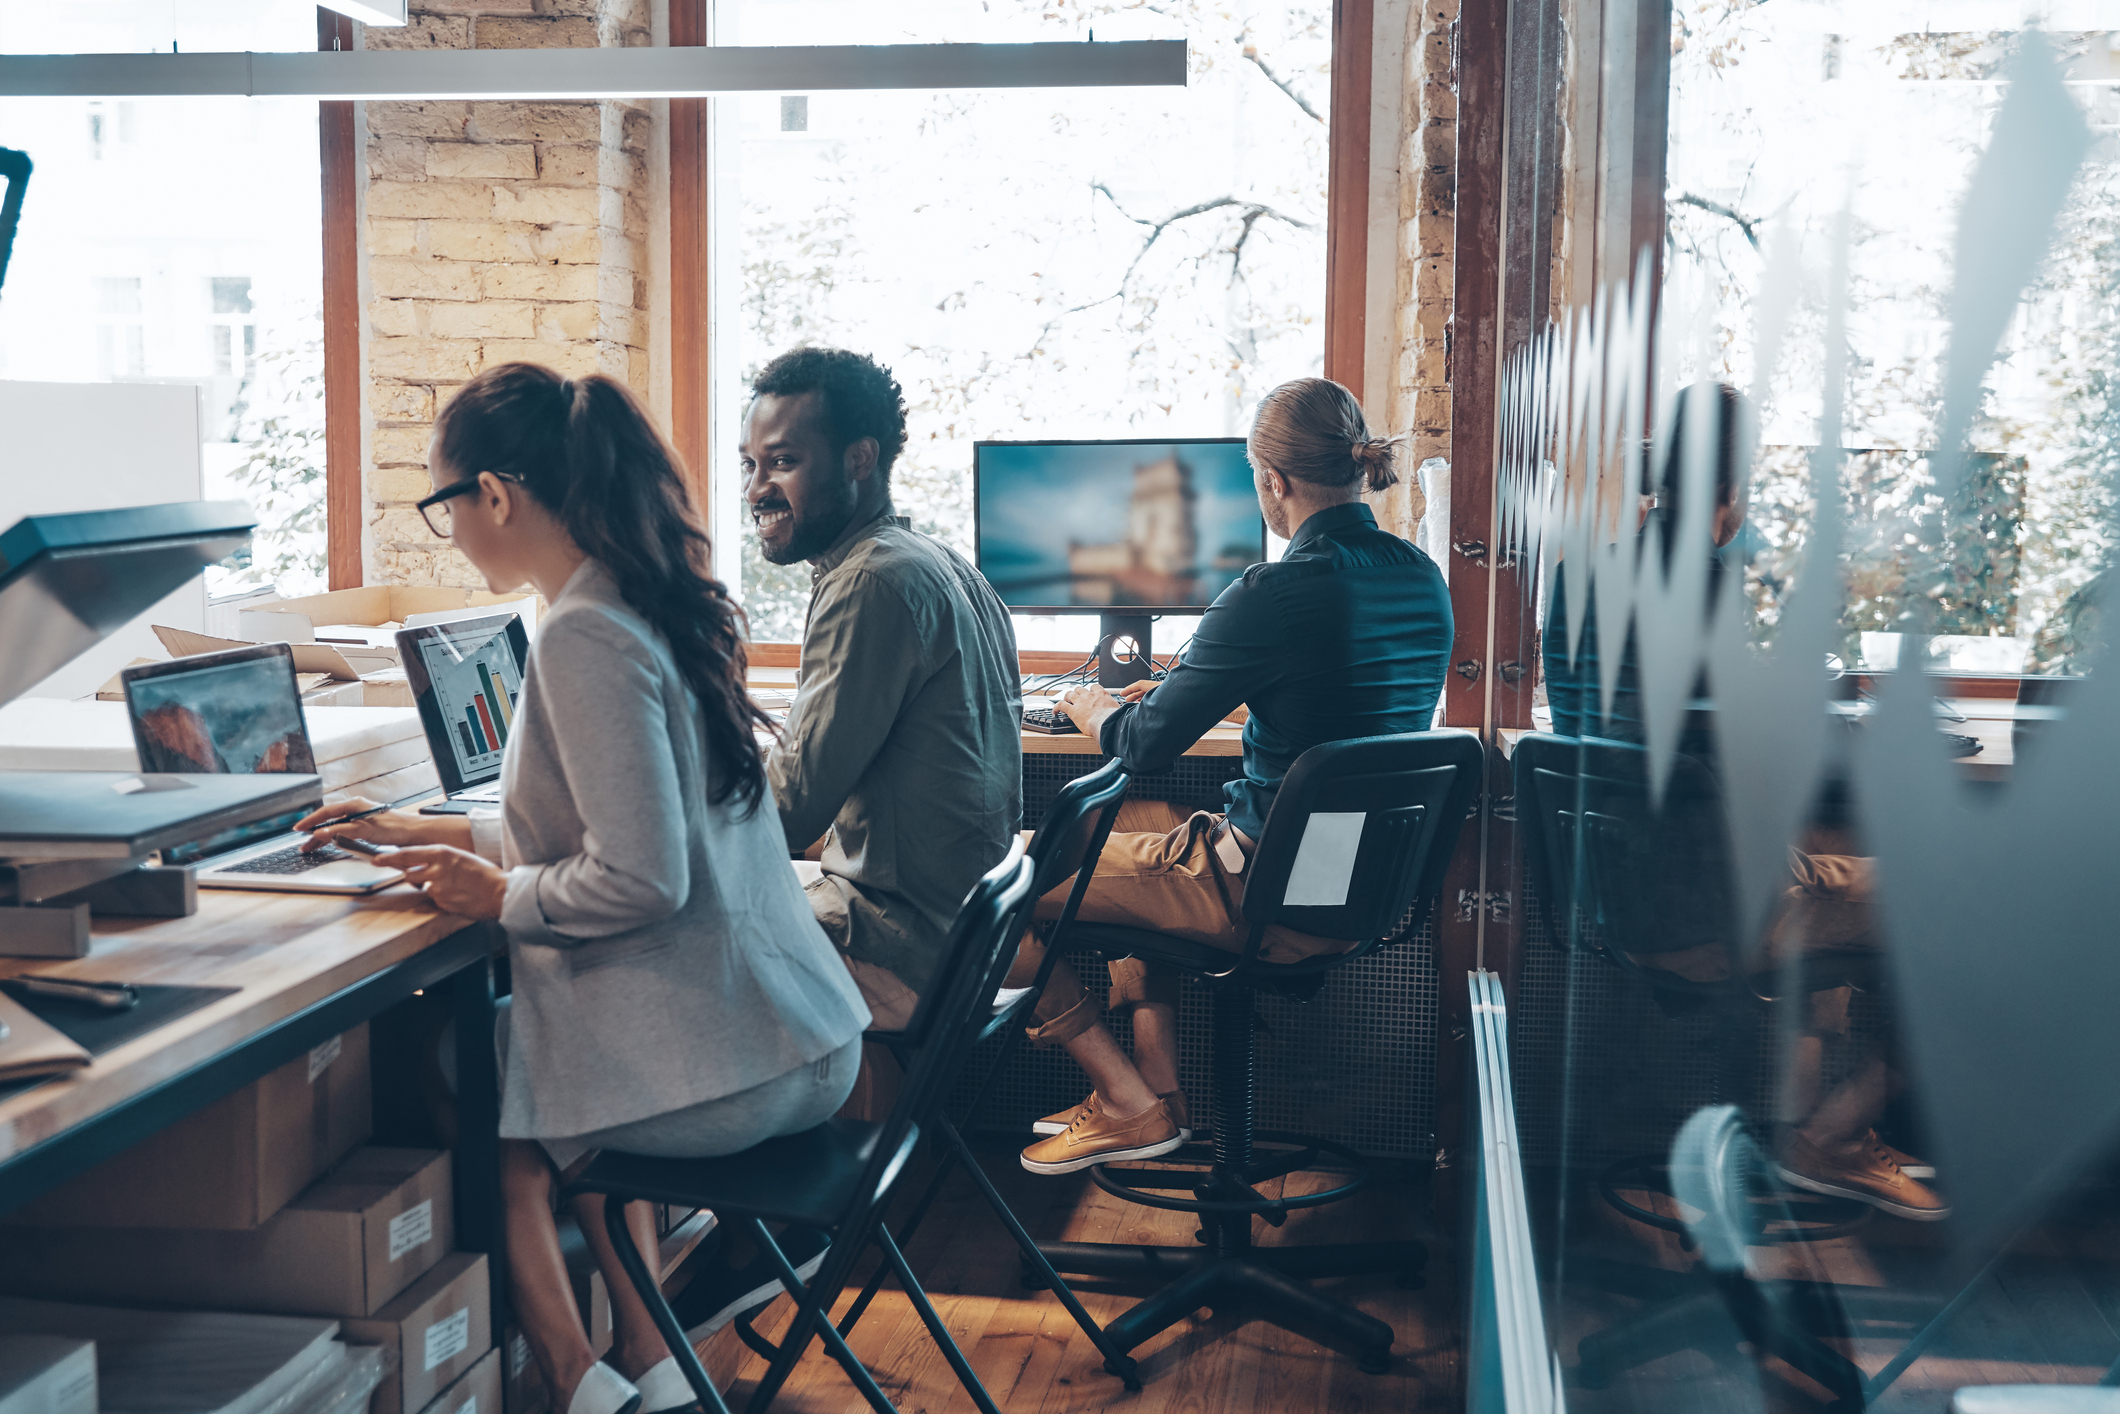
904, 745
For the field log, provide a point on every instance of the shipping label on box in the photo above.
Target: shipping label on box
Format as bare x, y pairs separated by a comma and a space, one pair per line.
437, 1328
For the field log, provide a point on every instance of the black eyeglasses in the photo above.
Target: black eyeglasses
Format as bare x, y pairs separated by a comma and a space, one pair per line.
435, 509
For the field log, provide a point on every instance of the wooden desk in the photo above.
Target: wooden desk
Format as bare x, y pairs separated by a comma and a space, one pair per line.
1219, 741
307, 968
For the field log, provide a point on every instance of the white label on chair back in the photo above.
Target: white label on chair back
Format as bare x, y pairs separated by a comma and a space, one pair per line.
1325, 859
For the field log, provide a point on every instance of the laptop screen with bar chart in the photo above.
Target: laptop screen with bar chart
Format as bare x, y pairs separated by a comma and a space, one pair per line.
466, 677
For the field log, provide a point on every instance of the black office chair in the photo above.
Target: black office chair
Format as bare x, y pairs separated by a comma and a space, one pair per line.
1066, 845
1411, 794
839, 1175
1625, 878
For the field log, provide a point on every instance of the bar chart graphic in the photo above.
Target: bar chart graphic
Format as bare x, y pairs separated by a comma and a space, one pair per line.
478, 688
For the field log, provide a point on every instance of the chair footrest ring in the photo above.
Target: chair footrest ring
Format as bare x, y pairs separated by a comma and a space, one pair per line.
1217, 1178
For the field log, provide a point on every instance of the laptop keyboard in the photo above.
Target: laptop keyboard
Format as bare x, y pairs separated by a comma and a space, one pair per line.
288, 861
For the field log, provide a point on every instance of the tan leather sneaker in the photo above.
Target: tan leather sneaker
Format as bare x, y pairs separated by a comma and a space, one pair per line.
1868, 1176
1908, 1164
1102, 1138
1180, 1114
1058, 1123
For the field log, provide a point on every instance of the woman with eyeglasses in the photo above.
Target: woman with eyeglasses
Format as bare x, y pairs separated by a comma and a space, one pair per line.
673, 994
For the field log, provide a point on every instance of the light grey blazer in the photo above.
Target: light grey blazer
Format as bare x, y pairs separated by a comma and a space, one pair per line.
663, 953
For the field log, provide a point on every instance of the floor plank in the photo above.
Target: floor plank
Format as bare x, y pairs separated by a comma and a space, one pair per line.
1032, 1357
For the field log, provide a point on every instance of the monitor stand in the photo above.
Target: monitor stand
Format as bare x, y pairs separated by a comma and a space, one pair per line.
1123, 649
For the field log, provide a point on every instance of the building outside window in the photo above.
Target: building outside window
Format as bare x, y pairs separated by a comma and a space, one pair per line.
187, 230
1031, 264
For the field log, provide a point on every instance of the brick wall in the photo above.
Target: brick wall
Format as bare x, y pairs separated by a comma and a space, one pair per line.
494, 232
1428, 205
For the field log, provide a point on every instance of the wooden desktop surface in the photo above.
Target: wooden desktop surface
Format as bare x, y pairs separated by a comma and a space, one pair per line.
1989, 720
285, 952
1219, 741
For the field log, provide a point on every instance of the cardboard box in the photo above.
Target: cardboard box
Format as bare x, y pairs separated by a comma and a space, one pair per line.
434, 1331
349, 1244
391, 604
478, 1391
47, 1374
235, 1163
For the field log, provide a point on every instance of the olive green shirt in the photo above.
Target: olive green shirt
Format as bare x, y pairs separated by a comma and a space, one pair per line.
905, 739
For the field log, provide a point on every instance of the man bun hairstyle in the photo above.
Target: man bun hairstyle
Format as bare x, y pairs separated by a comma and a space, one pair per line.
860, 397
1312, 430
587, 451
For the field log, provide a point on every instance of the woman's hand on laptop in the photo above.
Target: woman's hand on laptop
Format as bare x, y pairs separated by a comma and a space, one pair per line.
380, 826
458, 881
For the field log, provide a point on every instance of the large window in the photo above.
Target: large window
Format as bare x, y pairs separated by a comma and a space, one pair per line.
177, 241
1032, 264
1778, 116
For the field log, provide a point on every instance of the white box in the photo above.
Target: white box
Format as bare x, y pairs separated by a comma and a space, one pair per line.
47, 1374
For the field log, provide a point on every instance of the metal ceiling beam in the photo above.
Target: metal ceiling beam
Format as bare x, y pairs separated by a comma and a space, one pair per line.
593, 73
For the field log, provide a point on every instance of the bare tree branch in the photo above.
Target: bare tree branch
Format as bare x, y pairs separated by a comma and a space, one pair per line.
1251, 52
1250, 214
1716, 208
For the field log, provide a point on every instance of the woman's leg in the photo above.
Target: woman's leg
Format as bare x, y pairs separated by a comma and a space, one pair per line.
637, 1346
537, 1272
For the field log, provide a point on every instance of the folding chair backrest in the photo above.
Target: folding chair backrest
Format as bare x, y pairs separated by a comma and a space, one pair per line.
1074, 830
1360, 830
946, 1022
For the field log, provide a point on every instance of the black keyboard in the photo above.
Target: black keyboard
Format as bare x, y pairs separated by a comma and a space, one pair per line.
289, 861
1048, 719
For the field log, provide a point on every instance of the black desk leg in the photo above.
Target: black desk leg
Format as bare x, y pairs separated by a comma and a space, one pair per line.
478, 1144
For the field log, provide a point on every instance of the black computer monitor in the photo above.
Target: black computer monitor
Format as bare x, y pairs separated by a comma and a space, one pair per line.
1123, 529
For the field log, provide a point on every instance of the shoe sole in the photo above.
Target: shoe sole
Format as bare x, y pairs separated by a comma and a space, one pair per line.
1883, 1205
1047, 1128
1109, 1156
752, 1300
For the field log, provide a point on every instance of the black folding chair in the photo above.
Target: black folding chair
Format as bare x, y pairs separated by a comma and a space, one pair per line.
1067, 844
839, 1175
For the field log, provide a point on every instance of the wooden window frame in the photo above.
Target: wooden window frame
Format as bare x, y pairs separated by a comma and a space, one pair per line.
1348, 199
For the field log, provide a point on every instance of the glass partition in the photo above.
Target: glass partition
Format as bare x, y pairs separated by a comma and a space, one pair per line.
1808, 850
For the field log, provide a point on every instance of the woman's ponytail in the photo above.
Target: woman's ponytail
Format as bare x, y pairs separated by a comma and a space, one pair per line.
586, 450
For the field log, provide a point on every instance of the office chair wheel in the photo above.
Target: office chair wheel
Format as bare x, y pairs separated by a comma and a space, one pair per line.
1373, 1364
1128, 1375
1415, 1279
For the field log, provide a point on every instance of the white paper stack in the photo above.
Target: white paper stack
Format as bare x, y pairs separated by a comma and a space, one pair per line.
377, 752
197, 1362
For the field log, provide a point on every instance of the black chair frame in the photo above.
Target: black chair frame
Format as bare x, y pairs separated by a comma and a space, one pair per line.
1414, 792
1067, 843
838, 1176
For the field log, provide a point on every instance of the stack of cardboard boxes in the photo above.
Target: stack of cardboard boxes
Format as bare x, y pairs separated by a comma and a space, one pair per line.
268, 1201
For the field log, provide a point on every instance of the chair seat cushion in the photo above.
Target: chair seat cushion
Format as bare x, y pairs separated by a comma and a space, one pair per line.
808, 1178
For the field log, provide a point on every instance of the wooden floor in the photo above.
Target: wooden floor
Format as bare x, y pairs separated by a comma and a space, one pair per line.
1034, 1360
2047, 1313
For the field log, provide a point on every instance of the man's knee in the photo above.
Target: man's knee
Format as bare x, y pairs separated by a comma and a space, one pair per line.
1137, 983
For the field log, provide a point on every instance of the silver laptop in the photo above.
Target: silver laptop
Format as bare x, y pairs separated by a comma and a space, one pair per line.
466, 676
240, 713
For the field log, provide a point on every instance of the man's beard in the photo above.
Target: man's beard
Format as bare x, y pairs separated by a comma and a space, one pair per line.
813, 533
